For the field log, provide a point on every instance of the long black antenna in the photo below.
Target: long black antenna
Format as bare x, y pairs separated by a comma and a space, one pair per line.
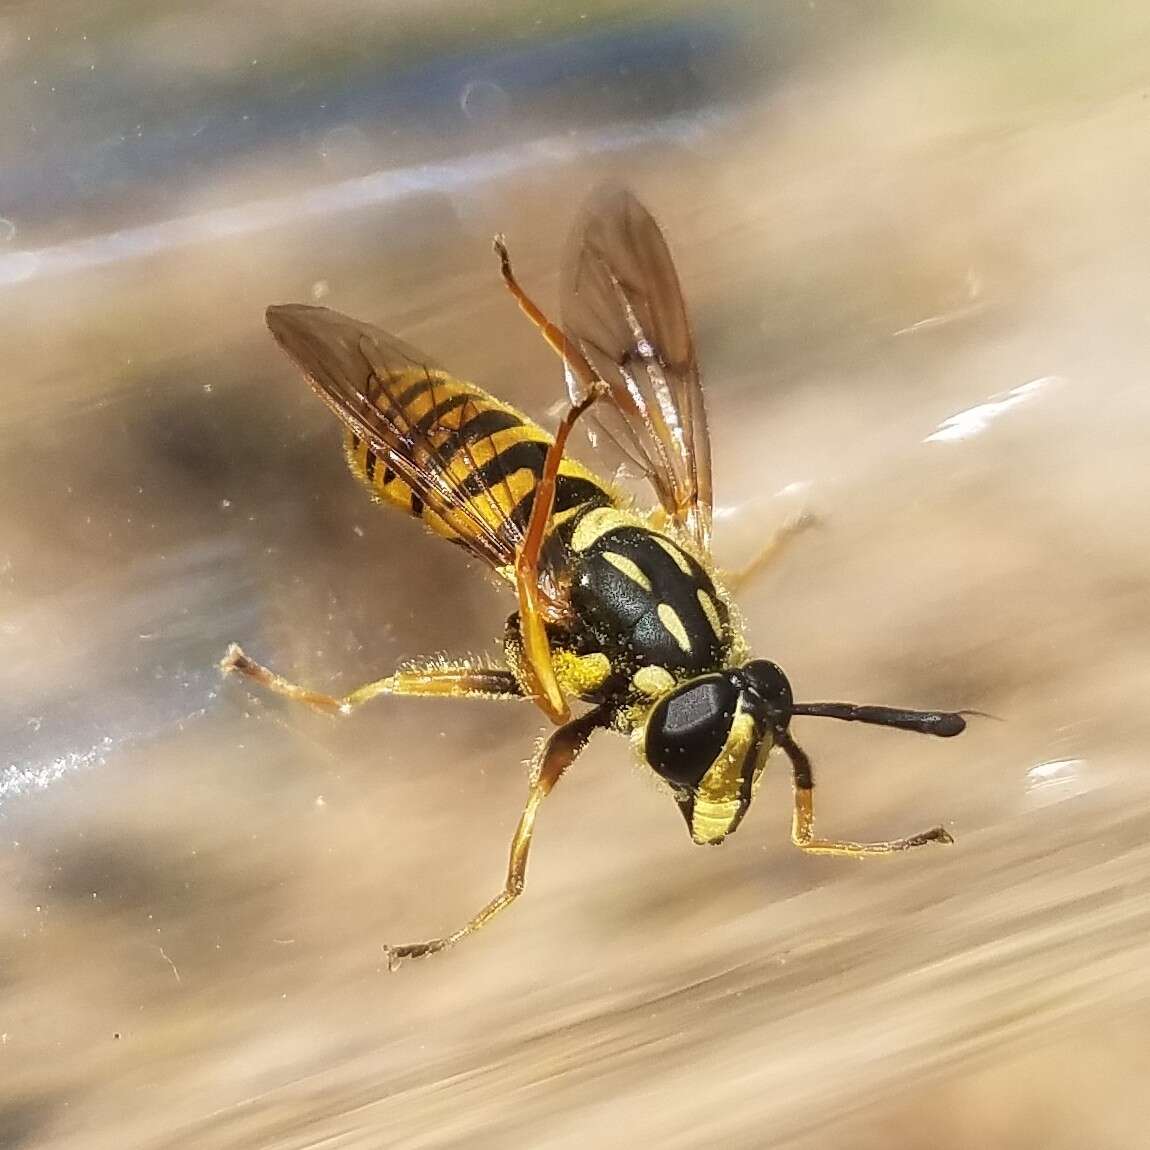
945, 724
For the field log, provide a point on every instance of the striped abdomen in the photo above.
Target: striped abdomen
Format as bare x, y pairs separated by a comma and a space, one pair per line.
491, 456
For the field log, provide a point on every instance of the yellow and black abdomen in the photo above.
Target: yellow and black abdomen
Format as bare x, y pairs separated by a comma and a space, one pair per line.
490, 455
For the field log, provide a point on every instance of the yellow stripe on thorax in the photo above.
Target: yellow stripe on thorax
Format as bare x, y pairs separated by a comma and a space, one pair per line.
597, 523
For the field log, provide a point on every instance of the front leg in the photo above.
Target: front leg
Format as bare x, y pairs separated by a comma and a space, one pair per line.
558, 753
803, 824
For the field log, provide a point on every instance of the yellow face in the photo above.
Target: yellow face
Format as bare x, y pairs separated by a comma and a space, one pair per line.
709, 739
722, 797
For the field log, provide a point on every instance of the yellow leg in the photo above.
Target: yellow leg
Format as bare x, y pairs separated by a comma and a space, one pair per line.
558, 753
803, 826
802, 834
537, 662
458, 681
552, 333
780, 539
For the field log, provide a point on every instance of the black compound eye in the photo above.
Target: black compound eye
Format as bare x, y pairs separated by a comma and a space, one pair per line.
687, 730
767, 680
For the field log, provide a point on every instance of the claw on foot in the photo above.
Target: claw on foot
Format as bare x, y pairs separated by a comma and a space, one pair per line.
934, 835
234, 659
397, 955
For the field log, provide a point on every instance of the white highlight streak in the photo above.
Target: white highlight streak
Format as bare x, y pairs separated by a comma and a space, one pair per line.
380, 187
976, 419
175, 969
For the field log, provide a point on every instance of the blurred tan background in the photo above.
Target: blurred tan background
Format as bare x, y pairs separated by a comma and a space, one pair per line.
915, 241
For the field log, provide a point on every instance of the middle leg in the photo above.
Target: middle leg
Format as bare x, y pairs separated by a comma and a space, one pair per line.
779, 541
462, 680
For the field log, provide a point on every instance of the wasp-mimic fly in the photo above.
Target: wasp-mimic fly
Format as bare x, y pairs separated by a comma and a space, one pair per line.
619, 609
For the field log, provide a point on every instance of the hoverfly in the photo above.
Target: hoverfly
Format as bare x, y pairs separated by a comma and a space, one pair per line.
618, 608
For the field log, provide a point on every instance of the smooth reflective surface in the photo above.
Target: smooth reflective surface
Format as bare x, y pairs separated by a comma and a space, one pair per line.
915, 249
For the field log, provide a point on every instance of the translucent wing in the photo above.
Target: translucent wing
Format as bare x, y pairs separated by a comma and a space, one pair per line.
440, 448
622, 305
